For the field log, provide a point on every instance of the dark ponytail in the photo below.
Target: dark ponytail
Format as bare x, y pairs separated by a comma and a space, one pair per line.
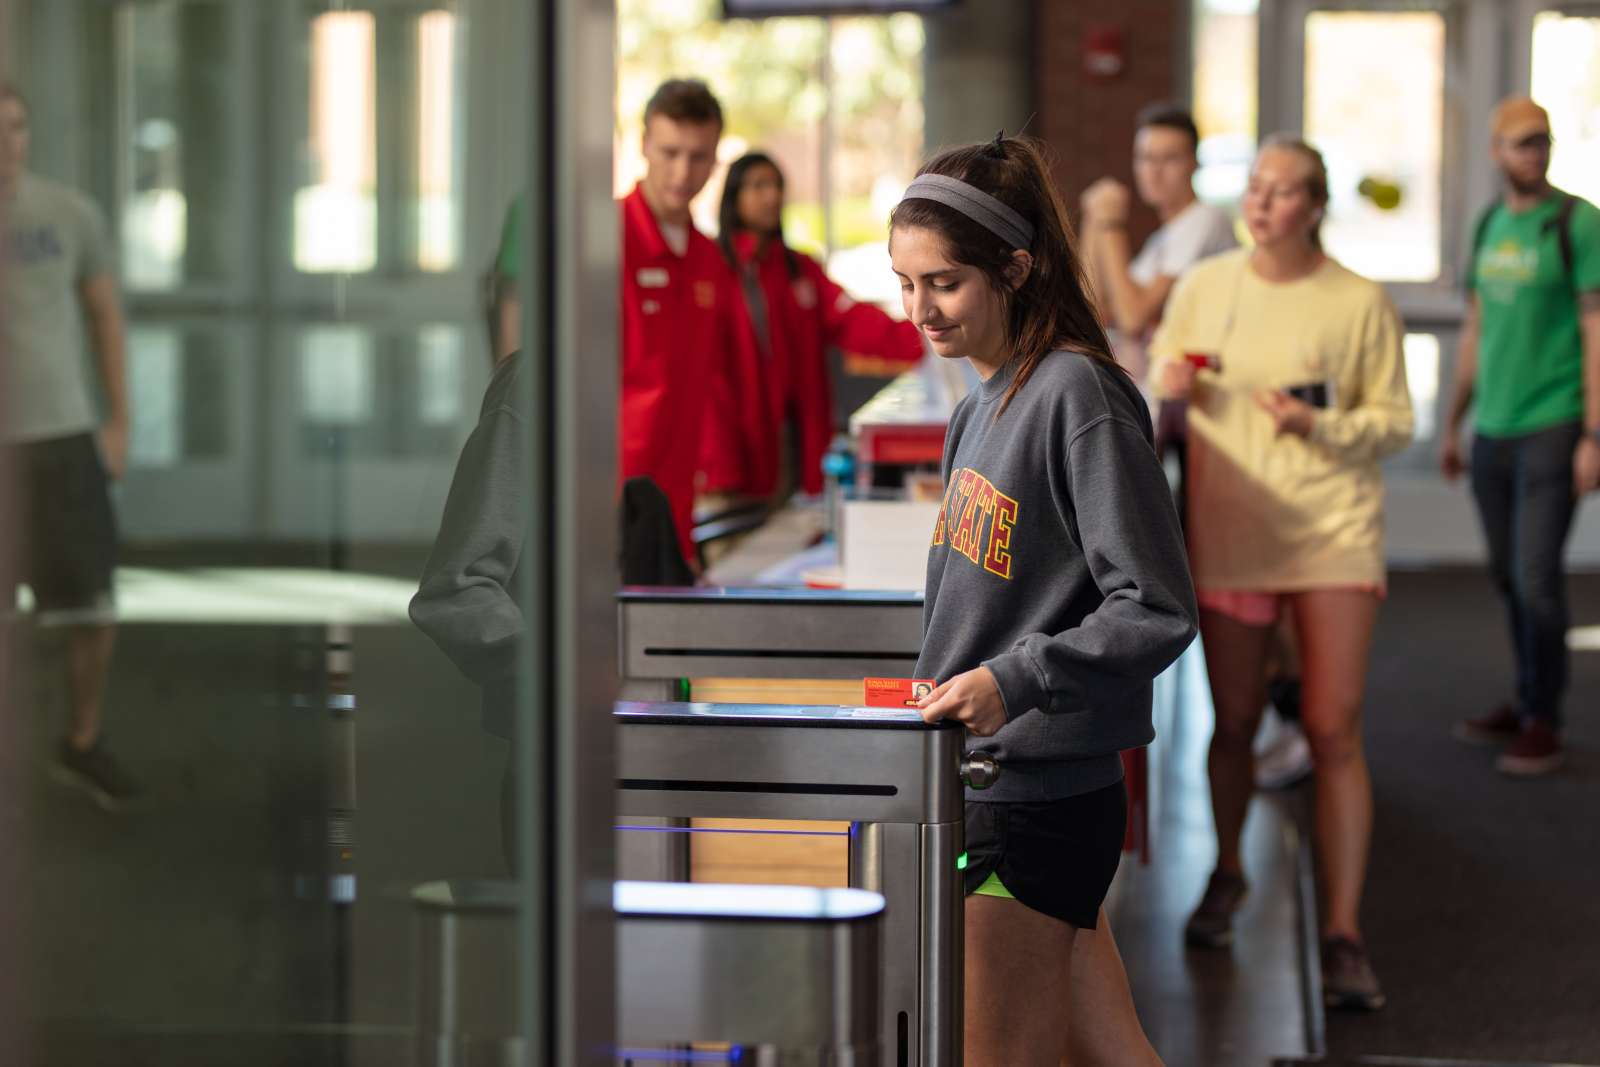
1051, 309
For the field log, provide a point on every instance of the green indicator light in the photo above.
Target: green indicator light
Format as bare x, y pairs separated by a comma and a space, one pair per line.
961, 862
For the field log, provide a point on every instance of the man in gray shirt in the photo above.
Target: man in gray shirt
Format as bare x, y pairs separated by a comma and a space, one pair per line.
59, 304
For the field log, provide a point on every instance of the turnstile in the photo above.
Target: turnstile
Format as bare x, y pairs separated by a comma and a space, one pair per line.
897, 779
790, 974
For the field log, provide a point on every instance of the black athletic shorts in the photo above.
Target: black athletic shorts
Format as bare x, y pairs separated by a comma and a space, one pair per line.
1057, 857
60, 536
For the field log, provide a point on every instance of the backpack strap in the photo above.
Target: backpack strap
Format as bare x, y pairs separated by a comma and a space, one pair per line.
1562, 224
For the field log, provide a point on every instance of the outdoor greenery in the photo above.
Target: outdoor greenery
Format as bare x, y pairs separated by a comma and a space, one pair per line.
770, 76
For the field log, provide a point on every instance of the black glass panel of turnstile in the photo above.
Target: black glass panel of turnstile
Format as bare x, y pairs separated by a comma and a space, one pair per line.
692, 713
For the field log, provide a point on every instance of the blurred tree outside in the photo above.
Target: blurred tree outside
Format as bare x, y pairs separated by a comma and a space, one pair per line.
779, 96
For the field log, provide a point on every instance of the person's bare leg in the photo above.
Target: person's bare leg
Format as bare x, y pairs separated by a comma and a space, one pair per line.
89, 650
1335, 628
1018, 976
1235, 658
1103, 1028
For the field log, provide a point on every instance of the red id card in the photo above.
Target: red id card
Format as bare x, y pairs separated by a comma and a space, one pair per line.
895, 692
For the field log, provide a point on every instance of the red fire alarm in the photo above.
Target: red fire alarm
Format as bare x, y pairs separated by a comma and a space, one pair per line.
1104, 52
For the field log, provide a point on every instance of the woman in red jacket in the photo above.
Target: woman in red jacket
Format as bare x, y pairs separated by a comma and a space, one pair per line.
774, 422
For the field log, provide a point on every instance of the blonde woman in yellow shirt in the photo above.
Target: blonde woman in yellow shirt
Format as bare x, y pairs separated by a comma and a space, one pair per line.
1293, 370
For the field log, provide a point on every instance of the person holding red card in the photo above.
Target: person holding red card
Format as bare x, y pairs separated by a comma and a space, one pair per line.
1056, 591
1285, 516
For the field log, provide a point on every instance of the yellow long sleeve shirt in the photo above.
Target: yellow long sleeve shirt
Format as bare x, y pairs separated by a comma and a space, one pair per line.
1285, 513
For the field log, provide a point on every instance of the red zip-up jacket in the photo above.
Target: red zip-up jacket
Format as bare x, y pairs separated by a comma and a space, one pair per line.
679, 334
787, 377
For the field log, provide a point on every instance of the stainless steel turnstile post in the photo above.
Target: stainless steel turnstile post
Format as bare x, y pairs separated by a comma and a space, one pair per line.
897, 779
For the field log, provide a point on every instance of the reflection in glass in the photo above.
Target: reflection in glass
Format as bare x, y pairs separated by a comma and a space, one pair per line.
173, 60
336, 212
437, 216
153, 209
294, 433
1566, 55
1374, 105
155, 387
440, 383
337, 375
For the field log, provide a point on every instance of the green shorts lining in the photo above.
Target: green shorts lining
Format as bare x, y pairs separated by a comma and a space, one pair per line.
993, 887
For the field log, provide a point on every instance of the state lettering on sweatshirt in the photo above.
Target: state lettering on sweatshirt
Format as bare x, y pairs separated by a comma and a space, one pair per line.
977, 519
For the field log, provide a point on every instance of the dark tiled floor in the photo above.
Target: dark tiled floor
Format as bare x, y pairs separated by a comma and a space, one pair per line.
1237, 1007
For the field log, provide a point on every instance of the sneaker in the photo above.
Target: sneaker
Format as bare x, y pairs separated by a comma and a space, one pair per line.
1500, 727
1286, 758
1537, 750
1347, 977
1211, 925
96, 771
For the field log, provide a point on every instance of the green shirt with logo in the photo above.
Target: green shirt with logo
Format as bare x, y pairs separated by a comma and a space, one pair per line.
1530, 347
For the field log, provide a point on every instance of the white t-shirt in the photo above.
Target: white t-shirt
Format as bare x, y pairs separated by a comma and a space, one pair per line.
676, 236
1198, 231
54, 240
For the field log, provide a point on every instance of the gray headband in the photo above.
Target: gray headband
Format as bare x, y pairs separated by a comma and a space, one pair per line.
975, 204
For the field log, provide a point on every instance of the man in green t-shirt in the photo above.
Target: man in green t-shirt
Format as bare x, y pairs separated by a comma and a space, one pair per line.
1530, 359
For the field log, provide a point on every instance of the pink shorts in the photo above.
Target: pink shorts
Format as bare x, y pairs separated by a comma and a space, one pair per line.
1256, 608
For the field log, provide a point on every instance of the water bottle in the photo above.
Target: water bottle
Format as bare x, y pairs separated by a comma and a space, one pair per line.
838, 472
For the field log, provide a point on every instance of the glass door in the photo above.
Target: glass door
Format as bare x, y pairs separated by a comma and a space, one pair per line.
247, 782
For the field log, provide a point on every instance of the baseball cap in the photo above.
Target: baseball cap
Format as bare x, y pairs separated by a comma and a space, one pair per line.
1517, 117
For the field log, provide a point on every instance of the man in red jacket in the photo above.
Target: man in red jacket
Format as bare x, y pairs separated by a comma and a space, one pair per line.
678, 331
680, 317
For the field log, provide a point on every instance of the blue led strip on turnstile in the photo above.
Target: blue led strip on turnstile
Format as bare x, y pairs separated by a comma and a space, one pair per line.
663, 1055
731, 830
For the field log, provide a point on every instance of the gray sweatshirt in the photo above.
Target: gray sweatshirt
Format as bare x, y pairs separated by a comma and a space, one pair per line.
1058, 563
466, 600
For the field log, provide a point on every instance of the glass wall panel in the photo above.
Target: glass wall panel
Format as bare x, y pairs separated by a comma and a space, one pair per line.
1374, 105
242, 782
